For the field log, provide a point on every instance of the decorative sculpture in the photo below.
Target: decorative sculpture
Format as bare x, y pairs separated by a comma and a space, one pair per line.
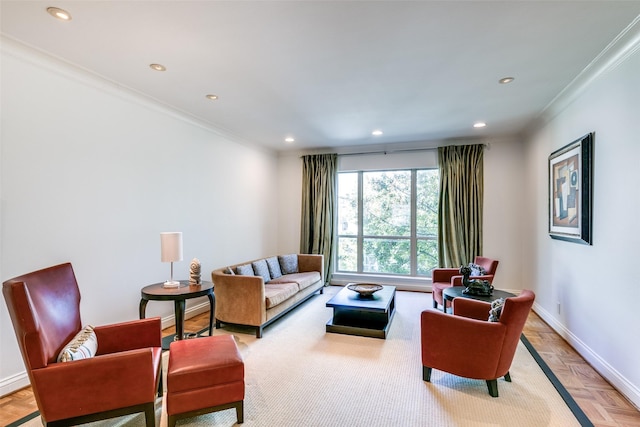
475, 287
194, 272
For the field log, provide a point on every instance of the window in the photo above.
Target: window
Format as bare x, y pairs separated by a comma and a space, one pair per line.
388, 222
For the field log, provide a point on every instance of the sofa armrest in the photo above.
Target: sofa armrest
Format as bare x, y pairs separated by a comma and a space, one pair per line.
311, 262
239, 299
129, 335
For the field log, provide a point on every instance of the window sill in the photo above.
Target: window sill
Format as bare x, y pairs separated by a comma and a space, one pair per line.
402, 283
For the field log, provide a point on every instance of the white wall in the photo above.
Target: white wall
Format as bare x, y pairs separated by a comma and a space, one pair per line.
92, 174
595, 286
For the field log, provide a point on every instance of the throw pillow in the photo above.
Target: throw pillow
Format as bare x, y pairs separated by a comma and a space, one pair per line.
288, 263
230, 271
260, 268
274, 267
477, 270
496, 310
83, 346
244, 270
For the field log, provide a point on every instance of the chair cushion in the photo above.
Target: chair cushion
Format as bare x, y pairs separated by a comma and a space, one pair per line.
288, 263
260, 268
83, 346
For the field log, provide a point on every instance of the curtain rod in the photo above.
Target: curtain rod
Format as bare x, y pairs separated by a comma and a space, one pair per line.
407, 150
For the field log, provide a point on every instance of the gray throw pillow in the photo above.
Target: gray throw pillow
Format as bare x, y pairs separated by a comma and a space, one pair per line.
260, 268
496, 310
245, 270
288, 263
274, 267
477, 270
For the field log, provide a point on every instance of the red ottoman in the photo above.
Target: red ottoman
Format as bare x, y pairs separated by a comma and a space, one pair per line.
205, 375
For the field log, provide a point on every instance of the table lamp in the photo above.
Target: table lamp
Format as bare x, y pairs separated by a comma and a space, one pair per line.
171, 251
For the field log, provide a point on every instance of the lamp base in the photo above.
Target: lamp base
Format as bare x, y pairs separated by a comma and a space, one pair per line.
171, 284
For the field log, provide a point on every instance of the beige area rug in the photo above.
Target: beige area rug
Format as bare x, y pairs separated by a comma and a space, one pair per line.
299, 375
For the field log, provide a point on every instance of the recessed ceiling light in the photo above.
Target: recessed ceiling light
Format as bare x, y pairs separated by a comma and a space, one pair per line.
506, 80
59, 13
376, 132
479, 124
158, 67
289, 139
212, 97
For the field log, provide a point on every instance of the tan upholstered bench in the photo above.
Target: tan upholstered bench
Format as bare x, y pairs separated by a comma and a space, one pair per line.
205, 375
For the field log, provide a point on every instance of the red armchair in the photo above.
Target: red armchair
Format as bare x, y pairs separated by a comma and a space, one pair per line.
444, 277
121, 379
468, 345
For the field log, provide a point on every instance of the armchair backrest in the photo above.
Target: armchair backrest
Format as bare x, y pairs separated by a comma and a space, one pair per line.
514, 315
44, 307
489, 265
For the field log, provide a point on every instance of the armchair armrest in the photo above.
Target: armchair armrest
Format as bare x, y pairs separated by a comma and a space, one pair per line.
461, 346
129, 335
444, 274
97, 383
239, 299
471, 308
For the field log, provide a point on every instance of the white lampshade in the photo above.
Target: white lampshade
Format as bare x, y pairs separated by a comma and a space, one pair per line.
171, 246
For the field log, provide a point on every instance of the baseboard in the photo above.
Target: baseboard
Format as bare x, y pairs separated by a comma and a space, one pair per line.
622, 384
13, 383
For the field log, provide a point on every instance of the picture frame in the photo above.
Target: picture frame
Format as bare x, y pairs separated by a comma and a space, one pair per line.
571, 191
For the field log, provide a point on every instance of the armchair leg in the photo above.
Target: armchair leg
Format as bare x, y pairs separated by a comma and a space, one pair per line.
426, 374
507, 377
492, 385
435, 304
150, 415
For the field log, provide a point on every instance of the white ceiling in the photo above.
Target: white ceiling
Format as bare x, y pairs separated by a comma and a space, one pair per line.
330, 72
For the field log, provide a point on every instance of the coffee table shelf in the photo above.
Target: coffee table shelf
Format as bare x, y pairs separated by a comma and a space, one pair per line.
362, 316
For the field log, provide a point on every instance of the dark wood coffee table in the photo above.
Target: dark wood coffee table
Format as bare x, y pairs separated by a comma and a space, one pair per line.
448, 294
362, 316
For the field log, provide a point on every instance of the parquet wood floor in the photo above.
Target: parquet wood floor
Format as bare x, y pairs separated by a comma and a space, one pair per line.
604, 406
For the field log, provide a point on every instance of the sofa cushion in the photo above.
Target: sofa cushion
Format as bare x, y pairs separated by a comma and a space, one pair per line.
245, 270
274, 267
260, 268
277, 293
288, 263
83, 346
303, 280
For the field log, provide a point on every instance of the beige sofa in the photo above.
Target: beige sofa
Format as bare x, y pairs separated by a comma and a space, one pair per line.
256, 293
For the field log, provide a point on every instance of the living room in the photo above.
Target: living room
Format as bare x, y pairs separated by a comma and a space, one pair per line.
92, 172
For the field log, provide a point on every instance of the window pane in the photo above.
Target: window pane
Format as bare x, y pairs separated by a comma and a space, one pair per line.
427, 256
348, 203
386, 203
390, 256
347, 254
427, 189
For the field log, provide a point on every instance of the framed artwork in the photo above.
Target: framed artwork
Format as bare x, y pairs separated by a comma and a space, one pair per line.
570, 191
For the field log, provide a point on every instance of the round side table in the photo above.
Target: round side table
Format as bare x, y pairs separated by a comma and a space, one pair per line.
157, 292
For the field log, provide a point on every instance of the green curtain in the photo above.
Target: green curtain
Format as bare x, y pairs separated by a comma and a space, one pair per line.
460, 205
319, 182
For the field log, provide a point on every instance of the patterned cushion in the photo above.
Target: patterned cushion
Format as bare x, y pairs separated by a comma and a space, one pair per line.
260, 268
288, 263
83, 346
244, 270
496, 310
274, 267
230, 271
477, 270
